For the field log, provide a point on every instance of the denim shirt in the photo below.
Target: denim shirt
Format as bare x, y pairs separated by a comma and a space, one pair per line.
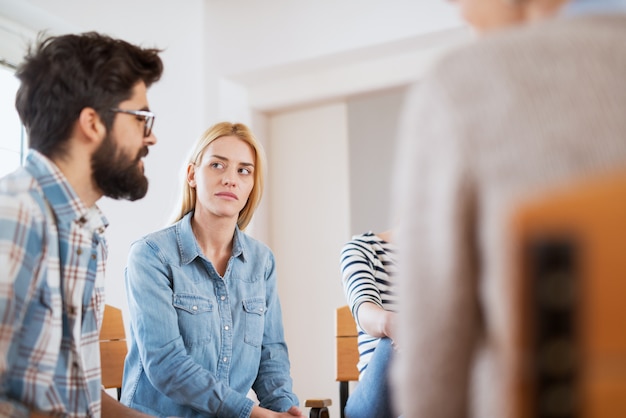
584, 7
200, 342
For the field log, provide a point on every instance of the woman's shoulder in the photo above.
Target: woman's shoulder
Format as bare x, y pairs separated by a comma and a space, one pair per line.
157, 239
370, 238
161, 233
365, 241
365, 236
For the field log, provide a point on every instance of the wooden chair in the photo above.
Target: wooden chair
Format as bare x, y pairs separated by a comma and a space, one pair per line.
113, 349
570, 255
346, 359
346, 353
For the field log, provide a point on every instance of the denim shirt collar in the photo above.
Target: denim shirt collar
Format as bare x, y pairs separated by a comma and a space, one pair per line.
188, 245
583, 7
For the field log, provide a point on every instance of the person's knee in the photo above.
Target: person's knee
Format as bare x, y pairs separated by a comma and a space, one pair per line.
386, 344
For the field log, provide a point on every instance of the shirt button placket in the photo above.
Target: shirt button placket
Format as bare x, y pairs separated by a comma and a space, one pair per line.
226, 348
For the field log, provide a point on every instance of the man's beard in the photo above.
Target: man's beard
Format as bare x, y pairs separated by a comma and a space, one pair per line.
116, 174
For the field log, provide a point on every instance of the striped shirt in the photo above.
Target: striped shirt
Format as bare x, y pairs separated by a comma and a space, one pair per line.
368, 267
52, 257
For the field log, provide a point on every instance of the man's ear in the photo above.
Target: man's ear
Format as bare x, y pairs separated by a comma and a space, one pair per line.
191, 175
91, 125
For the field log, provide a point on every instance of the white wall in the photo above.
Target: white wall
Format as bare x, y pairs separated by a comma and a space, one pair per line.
176, 27
373, 121
246, 37
288, 69
310, 219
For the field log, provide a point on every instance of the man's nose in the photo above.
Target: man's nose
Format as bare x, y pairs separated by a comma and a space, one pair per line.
150, 139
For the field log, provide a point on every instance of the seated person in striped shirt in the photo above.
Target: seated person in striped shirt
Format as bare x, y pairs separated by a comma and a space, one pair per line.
82, 99
368, 266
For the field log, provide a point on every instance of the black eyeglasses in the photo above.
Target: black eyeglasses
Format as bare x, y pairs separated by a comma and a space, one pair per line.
144, 115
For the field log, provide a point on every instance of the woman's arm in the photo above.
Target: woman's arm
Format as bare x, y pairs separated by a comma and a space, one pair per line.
362, 294
111, 408
273, 385
376, 321
258, 412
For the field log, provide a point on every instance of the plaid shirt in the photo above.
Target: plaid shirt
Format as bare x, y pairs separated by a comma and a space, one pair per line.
52, 257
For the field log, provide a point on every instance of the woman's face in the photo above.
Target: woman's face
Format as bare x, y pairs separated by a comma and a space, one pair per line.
487, 15
223, 178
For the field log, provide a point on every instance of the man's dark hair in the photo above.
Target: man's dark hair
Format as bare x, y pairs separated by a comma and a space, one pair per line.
61, 75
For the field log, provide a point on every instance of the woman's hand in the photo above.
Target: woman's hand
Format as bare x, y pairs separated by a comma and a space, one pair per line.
294, 411
258, 412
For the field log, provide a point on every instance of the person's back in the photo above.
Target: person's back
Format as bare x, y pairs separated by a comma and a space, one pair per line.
520, 111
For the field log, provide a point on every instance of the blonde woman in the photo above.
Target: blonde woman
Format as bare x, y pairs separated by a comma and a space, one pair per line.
206, 323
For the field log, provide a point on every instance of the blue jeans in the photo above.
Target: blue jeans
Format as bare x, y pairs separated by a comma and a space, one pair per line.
371, 397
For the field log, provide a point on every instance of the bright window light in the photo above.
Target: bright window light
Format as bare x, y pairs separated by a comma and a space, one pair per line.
12, 142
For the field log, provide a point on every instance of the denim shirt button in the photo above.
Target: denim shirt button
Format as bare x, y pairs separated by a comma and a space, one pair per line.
225, 359
222, 297
194, 307
226, 327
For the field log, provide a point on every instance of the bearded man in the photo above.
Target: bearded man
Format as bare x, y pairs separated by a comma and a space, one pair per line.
82, 100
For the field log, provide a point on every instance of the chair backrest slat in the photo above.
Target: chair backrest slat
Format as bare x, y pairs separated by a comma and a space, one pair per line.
113, 348
347, 352
570, 270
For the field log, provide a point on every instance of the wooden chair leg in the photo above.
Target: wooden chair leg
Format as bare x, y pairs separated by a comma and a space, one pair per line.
319, 413
319, 407
343, 397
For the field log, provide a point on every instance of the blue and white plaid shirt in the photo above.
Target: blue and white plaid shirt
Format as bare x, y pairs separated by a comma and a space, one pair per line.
52, 258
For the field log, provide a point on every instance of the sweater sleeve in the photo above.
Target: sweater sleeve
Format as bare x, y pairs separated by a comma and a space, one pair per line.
437, 281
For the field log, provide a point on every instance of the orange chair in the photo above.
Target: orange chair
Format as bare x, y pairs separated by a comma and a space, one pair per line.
347, 353
346, 359
570, 253
113, 349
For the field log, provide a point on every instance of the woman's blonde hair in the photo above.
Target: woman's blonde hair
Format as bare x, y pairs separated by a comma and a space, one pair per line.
188, 196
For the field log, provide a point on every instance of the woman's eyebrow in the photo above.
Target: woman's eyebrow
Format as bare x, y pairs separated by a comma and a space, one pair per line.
220, 157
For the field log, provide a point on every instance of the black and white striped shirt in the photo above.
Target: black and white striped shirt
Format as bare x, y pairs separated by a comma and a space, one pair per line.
368, 266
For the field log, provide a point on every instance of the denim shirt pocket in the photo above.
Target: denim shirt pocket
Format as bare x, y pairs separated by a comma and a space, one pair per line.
195, 317
255, 318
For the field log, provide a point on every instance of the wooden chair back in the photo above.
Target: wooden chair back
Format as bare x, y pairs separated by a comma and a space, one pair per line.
346, 354
571, 287
113, 349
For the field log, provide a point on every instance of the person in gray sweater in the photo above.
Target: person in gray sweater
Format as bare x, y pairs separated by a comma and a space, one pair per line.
534, 102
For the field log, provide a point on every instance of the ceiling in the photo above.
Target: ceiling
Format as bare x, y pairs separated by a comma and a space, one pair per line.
274, 48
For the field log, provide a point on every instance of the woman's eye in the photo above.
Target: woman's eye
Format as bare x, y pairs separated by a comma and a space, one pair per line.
244, 171
217, 165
